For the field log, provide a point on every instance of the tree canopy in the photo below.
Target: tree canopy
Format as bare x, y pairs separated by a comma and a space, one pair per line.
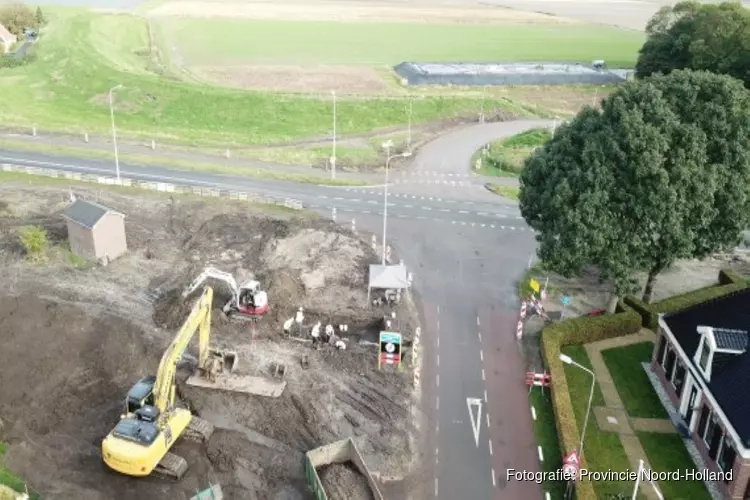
690, 35
660, 173
17, 16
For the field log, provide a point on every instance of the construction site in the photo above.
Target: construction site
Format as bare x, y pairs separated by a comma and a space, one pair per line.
78, 336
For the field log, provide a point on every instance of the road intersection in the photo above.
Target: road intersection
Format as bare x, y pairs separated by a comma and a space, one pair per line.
467, 249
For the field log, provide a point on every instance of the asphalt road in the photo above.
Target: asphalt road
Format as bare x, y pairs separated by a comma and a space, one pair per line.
467, 248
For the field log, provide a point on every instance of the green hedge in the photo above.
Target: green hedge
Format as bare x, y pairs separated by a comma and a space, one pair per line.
581, 330
680, 302
729, 276
649, 318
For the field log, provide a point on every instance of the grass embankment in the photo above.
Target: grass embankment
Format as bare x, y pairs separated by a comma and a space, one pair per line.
82, 55
223, 41
505, 190
179, 164
8, 479
505, 157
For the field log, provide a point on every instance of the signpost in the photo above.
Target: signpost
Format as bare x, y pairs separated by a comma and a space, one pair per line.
390, 349
571, 467
565, 300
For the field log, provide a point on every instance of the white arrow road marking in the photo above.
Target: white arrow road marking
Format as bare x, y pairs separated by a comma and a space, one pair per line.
476, 422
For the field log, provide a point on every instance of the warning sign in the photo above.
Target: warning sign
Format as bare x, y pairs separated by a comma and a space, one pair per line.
571, 465
390, 349
534, 284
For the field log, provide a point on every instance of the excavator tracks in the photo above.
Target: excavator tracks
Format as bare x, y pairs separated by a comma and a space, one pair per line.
171, 466
199, 430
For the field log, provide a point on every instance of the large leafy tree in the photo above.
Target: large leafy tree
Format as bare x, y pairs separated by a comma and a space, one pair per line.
661, 172
690, 35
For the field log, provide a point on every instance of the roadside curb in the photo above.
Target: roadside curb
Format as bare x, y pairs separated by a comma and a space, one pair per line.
290, 203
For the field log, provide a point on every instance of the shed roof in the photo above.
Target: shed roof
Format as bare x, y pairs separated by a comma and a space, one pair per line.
388, 276
87, 213
5, 34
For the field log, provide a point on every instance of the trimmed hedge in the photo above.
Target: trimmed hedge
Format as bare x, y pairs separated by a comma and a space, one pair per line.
680, 302
580, 330
649, 318
729, 276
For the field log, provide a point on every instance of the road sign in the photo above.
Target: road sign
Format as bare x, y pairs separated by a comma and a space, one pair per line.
534, 284
571, 465
390, 349
565, 300
476, 422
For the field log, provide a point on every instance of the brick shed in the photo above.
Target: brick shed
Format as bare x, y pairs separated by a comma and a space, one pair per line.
95, 232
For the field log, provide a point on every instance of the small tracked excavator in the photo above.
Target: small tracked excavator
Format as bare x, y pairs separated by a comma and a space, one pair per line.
248, 300
140, 442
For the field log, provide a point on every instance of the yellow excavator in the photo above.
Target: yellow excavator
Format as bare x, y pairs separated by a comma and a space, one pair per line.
140, 442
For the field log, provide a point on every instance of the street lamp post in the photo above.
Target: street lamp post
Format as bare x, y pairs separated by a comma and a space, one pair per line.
114, 131
388, 157
568, 360
333, 153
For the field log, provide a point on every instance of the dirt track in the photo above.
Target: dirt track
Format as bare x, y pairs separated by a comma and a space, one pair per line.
76, 339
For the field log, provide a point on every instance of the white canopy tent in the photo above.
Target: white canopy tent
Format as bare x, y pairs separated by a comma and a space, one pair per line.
387, 277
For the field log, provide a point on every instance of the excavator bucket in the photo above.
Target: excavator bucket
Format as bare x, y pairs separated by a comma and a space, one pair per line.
218, 374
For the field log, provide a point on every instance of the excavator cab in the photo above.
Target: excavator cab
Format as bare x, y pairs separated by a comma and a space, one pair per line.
140, 395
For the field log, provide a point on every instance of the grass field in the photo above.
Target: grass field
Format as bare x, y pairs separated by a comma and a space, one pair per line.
82, 55
220, 41
505, 157
632, 383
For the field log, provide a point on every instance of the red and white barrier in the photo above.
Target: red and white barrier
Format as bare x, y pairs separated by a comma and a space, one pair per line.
523, 309
534, 379
519, 329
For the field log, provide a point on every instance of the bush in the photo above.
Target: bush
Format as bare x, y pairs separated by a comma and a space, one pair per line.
680, 302
649, 317
580, 330
728, 276
34, 242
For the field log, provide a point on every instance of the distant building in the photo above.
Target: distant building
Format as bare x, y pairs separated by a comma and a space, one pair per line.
701, 358
95, 232
7, 39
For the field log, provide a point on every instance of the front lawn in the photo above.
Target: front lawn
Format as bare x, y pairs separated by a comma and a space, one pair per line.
667, 453
602, 450
631, 381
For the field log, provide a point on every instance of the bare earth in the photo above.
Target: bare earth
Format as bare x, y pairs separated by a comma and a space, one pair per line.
302, 79
346, 11
76, 338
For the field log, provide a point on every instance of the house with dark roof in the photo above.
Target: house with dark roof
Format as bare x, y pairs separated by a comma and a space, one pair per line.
7, 39
701, 358
95, 232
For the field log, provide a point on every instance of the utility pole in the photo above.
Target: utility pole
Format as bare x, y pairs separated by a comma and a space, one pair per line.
333, 153
114, 131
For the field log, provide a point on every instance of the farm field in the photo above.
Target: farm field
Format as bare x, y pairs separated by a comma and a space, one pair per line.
170, 90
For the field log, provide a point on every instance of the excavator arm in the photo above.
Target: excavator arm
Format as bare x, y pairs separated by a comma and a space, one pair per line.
216, 274
199, 319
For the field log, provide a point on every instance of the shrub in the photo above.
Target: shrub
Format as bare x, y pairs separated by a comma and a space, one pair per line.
680, 302
729, 276
34, 242
649, 317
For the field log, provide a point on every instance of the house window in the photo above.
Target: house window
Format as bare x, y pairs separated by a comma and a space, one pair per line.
662, 348
709, 432
727, 456
669, 363
704, 355
713, 438
679, 378
703, 422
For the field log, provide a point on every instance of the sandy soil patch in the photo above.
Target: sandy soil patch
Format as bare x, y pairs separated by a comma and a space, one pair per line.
303, 79
326, 11
75, 339
562, 100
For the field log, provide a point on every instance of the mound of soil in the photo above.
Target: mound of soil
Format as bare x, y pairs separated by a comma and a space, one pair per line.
64, 376
344, 482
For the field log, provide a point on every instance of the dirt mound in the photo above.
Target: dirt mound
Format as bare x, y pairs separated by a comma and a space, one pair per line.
64, 376
314, 264
344, 482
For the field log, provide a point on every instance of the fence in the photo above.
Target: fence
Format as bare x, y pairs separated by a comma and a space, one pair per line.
290, 203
